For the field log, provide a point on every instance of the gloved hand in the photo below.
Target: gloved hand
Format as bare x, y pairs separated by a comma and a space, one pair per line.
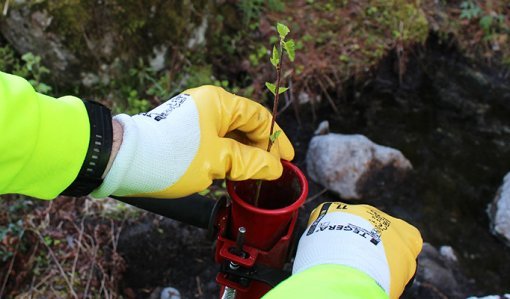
364, 238
181, 146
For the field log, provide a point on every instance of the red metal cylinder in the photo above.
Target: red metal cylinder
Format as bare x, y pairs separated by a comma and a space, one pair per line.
269, 226
278, 203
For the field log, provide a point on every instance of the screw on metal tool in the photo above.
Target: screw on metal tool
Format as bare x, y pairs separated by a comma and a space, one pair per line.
233, 266
241, 232
229, 293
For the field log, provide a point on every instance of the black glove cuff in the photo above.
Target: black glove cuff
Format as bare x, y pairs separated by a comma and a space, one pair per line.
98, 153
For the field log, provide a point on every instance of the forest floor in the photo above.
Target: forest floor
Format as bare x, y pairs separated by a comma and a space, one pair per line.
82, 248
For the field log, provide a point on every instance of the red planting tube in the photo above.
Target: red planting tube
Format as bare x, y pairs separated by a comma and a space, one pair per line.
279, 202
269, 230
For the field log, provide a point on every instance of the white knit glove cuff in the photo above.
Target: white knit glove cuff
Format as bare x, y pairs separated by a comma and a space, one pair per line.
344, 239
157, 149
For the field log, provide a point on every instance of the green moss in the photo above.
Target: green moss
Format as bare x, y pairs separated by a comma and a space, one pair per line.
397, 18
136, 26
480, 29
341, 39
336, 39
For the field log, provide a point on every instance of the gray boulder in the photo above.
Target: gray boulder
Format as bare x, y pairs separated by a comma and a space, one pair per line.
353, 166
499, 212
438, 275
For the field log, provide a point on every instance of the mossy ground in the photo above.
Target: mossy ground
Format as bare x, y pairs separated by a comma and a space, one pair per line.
337, 41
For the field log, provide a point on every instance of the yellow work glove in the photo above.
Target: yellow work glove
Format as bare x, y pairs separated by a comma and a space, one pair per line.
364, 238
179, 147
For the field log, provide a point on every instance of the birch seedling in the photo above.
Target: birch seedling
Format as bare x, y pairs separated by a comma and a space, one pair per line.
283, 46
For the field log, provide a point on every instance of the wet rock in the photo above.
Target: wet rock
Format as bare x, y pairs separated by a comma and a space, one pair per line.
354, 166
437, 276
435, 269
499, 212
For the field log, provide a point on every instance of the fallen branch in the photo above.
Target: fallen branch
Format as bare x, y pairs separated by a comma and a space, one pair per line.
75, 262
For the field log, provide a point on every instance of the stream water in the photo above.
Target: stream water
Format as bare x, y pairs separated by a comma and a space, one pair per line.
451, 120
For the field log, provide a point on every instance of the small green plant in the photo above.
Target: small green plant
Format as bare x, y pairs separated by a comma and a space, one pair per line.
140, 87
256, 56
470, 10
490, 23
136, 104
27, 66
215, 191
10, 235
8, 60
289, 48
37, 71
251, 10
140, 83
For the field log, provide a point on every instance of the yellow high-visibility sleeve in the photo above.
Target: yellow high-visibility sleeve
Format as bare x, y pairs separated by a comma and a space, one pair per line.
328, 281
43, 140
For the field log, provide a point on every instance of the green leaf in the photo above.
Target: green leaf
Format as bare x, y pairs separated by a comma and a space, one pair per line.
272, 88
204, 192
48, 240
344, 58
275, 136
290, 48
275, 58
282, 89
282, 30
486, 23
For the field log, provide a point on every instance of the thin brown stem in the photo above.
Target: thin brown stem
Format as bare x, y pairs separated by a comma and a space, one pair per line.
59, 266
276, 96
274, 114
315, 196
80, 236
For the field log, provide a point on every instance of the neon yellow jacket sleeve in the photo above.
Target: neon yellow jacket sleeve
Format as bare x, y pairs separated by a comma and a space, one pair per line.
328, 282
43, 140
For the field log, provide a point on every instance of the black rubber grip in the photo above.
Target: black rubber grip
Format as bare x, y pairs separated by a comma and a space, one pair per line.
195, 209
